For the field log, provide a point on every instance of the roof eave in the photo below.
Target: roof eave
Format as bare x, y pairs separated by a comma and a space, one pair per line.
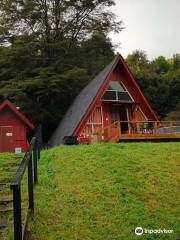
19, 114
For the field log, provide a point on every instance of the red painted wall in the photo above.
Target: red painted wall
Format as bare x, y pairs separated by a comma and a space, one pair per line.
12, 132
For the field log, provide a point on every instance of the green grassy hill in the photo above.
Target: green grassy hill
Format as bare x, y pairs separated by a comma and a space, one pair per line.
9, 164
104, 191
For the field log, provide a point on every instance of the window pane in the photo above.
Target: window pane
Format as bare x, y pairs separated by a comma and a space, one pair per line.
115, 85
114, 117
124, 96
110, 95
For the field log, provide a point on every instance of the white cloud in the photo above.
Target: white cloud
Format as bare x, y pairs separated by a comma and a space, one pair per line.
151, 25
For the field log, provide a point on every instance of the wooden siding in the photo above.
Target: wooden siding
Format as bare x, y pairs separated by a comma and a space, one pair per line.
12, 132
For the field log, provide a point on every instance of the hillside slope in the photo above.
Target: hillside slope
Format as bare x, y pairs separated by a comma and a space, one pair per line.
104, 191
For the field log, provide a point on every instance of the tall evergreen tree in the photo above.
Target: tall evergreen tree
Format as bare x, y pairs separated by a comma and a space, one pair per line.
49, 50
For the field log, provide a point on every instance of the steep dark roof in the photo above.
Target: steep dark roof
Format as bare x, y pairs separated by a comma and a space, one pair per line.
79, 107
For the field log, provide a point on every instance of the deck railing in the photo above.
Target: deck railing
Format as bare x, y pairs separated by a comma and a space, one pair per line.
29, 163
150, 127
120, 129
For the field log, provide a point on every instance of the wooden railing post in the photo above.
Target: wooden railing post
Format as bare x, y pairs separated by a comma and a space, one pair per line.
171, 127
29, 161
17, 212
38, 149
38, 136
119, 129
138, 127
98, 135
102, 134
109, 132
35, 162
30, 186
155, 127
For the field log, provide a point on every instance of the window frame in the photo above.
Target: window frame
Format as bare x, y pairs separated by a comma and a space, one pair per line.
117, 97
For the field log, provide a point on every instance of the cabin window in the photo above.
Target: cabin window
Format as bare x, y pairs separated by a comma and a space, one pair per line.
116, 92
116, 86
110, 95
124, 96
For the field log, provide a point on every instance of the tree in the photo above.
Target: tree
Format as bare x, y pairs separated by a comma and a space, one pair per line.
176, 61
49, 50
137, 61
159, 80
52, 21
161, 65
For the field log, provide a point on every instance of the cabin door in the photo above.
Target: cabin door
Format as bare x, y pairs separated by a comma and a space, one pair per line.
114, 122
124, 119
6, 139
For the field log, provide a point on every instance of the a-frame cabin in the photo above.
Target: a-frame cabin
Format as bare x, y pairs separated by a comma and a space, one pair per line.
109, 107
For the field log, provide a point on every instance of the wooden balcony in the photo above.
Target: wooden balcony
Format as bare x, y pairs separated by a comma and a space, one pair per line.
138, 130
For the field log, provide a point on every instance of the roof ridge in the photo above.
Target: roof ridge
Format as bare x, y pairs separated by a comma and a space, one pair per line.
13, 108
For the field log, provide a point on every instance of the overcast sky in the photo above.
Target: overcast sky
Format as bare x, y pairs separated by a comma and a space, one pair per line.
150, 25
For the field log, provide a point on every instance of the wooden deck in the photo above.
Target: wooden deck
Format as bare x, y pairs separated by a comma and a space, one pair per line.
152, 137
139, 131
152, 131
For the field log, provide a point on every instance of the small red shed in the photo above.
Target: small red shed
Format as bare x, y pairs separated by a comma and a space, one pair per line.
13, 126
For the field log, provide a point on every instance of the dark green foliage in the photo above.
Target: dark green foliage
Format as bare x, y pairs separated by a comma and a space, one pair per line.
49, 50
161, 65
159, 80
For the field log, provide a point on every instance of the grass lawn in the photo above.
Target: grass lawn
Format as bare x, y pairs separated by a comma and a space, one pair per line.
105, 191
9, 163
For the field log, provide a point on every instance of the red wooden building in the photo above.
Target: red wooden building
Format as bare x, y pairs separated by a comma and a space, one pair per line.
111, 106
13, 126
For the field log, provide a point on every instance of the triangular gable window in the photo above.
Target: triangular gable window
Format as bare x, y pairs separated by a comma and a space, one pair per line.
116, 92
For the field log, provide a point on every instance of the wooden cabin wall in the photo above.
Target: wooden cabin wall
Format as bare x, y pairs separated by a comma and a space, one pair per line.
94, 124
138, 115
135, 114
12, 132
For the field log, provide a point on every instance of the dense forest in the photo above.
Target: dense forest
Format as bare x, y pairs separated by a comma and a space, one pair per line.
160, 81
50, 49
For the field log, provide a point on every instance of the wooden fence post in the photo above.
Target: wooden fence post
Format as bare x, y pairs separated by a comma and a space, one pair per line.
17, 212
109, 132
171, 127
38, 148
119, 129
29, 162
35, 162
155, 127
138, 127
30, 186
39, 153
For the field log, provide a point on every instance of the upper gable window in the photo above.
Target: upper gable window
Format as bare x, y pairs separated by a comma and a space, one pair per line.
116, 86
116, 92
